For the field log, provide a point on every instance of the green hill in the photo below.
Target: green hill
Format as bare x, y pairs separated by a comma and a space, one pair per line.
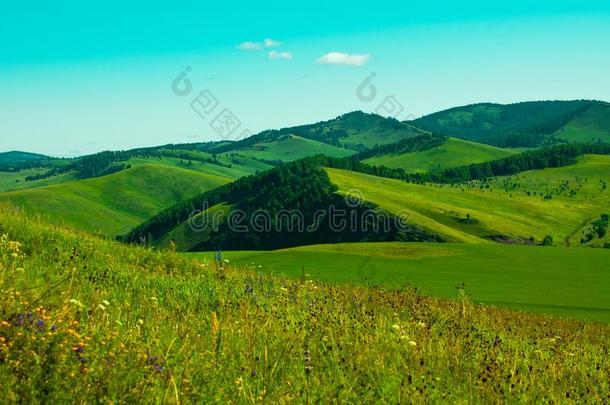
18, 180
555, 201
56, 171
355, 131
521, 124
592, 125
563, 203
453, 153
287, 148
16, 157
277, 208
115, 203
340, 137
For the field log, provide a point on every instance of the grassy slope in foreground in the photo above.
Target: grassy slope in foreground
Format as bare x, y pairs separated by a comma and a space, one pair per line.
90, 320
115, 203
453, 153
560, 281
495, 211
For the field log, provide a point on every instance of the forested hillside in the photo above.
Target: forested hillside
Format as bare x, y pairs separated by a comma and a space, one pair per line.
287, 206
515, 125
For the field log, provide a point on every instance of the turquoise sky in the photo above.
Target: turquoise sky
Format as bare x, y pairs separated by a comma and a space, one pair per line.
79, 77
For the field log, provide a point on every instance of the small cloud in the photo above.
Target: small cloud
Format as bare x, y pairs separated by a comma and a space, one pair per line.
280, 55
258, 46
250, 46
270, 43
340, 58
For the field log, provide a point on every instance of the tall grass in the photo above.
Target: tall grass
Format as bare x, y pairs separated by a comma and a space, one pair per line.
89, 320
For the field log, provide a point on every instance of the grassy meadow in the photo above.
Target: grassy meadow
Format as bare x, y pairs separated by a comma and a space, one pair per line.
453, 153
292, 147
115, 203
531, 205
593, 125
536, 279
10, 181
90, 320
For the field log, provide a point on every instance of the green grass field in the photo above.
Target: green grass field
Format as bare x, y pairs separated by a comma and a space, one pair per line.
292, 147
228, 168
372, 137
10, 181
453, 153
560, 281
115, 203
593, 125
228, 165
473, 213
86, 320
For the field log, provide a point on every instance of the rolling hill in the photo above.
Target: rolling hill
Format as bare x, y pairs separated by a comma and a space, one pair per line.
522, 124
555, 205
56, 171
555, 201
287, 148
115, 203
339, 137
453, 152
278, 208
592, 125
73, 188
17, 157
342, 136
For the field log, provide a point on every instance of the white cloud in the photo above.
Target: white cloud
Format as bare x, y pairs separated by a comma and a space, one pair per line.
250, 46
340, 58
270, 43
258, 46
280, 55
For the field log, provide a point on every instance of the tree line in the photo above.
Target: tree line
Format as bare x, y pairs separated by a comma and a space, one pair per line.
552, 156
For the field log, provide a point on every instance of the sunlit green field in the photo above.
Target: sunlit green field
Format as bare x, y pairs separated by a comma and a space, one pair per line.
115, 203
473, 213
292, 147
230, 167
562, 281
10, 181
592, 125
87, 320
453, 153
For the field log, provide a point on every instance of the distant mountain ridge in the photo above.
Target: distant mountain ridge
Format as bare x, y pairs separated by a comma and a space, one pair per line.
525, 124
13, 159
